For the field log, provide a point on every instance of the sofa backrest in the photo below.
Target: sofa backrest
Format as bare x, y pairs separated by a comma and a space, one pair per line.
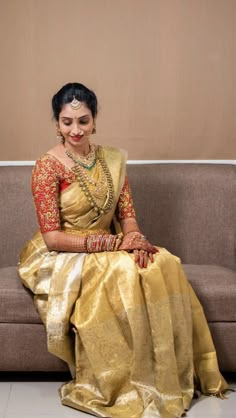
188, 208
17, 214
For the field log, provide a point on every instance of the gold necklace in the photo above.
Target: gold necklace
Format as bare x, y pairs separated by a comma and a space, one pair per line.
88, 161
98, 187
84, 181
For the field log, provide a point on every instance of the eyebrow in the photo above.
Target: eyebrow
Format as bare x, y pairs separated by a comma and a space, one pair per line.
81, 117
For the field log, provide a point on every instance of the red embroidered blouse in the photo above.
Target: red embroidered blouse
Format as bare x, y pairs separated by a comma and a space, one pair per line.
49, 178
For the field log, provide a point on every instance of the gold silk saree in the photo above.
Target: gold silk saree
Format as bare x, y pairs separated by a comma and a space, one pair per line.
136, 340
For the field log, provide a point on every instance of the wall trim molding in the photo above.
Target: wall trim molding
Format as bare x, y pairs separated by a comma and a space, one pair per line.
31, 163
182, 161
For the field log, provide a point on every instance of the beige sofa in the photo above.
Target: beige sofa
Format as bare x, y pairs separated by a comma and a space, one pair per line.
188, 208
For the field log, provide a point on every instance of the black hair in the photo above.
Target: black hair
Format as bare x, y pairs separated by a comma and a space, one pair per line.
70, 91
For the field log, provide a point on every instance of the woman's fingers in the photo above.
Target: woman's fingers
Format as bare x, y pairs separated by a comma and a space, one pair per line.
141, 257
151, 258
145, 259
136, 256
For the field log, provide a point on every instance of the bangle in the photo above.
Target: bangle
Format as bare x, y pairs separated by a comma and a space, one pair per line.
135, 231
98, 243
137, 234
108, 243
78, 244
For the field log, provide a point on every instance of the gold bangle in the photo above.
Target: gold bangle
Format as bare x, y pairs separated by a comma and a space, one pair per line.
132, 231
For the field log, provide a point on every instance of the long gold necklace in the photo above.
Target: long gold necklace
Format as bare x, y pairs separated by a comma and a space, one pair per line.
84, 181
99, 187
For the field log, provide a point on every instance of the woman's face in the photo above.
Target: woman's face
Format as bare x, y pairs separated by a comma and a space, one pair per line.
76, 125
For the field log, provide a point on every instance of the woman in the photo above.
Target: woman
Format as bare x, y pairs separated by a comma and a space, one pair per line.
118, 310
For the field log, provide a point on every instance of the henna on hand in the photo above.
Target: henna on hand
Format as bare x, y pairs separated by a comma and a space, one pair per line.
136, 241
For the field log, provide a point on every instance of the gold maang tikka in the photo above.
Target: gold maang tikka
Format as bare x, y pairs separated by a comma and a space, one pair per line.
75, 104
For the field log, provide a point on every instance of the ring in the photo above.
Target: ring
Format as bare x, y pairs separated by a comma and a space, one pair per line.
143, 237
142, 251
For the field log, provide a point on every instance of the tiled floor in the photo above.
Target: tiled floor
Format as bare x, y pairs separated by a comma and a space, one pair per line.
39, 399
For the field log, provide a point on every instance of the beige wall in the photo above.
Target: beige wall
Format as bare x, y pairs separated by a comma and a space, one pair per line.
164, 72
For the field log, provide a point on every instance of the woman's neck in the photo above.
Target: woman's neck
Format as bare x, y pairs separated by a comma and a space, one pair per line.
79, 150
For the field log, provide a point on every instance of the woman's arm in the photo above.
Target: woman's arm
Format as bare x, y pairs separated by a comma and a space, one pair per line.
92, 243
129, 225
134, 240
61, 241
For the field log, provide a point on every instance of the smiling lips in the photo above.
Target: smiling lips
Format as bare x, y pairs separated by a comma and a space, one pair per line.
77, 137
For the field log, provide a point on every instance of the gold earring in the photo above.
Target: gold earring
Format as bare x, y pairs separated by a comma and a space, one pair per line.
94, 129
59, 136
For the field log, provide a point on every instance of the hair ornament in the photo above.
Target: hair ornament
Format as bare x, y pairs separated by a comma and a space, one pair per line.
75, 104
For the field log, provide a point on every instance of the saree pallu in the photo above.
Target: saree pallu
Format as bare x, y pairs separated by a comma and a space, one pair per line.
136, 340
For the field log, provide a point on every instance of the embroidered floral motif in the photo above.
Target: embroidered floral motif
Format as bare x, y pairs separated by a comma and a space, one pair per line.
125, 208
47, 177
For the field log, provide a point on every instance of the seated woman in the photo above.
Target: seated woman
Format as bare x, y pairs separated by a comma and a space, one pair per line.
117, 309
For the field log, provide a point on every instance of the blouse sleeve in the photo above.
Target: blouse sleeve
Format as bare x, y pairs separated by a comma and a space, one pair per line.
45, 189
125, 207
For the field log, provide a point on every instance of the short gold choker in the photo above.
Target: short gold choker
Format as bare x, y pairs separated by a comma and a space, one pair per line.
88, 161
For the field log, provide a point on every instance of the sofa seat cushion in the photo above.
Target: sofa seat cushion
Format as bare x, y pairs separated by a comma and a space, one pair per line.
16, 302
215, 287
